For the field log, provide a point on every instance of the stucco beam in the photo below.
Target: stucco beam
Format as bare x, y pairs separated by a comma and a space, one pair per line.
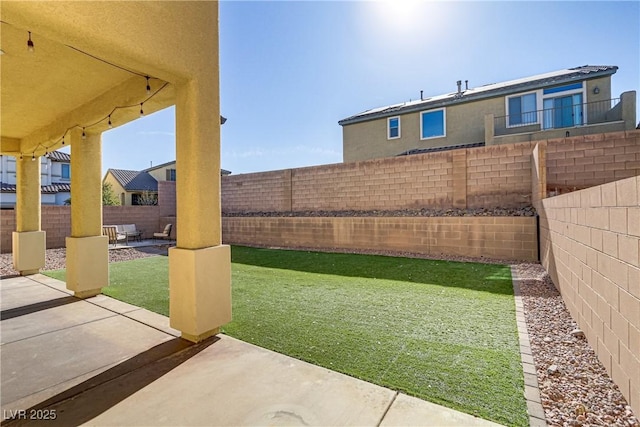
138, 35
95, 112
10, 146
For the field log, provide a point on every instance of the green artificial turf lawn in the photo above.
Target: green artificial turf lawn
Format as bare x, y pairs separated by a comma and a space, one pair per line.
442, 331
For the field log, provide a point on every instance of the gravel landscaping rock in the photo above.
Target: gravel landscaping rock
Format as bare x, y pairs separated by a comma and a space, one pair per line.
575, 388
524, 211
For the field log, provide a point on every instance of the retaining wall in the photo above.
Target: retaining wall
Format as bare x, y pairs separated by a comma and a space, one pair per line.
497, 175
490, 237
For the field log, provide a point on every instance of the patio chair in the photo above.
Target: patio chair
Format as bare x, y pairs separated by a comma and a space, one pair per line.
111, 231
130, 231
165, 235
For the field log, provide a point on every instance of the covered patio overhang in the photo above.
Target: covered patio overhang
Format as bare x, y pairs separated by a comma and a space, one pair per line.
70, 71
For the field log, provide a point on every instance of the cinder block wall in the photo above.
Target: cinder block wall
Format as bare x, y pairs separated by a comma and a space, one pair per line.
56, 220
590, 245
7, 226
480, 177
499, 175
146, 218
490, 237
586, 161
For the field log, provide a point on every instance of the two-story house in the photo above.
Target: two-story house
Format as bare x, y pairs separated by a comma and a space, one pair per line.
141, 187
570, 102
55, 179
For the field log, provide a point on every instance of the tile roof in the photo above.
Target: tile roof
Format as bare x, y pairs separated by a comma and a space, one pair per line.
45, 189
446, 148
59, 156
135, 180
162, 165
486, 91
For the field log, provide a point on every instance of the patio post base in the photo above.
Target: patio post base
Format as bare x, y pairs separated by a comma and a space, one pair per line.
87, 265
199, 290
28, 251
201, 337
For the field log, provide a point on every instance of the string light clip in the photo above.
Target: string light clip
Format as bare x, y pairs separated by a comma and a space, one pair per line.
30, 46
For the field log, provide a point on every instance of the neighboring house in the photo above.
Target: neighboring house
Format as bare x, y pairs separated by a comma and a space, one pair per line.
574, 101
55, 179
138, 187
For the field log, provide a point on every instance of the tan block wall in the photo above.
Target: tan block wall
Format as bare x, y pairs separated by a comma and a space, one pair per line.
490, 237
56, 220
390, 183
496, 175
590, 245
585, 161
499, 175
263, 191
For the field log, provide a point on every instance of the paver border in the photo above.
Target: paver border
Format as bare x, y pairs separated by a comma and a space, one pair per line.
535, 410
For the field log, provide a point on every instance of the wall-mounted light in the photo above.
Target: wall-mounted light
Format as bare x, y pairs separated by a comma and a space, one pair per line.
596, 90
1, 52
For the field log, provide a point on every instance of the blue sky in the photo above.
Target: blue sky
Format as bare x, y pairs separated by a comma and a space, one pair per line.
289, 70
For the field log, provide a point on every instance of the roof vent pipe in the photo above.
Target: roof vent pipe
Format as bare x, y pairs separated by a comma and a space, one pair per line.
421, 97
466, 85
459, 83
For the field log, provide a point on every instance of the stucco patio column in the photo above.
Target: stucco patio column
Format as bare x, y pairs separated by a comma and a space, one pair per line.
87, 248
29, 242
199, 267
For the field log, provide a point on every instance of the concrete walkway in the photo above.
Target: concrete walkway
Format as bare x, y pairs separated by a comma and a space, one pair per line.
103, 362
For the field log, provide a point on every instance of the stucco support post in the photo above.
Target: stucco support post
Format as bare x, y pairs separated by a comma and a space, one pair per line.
489, 129
87, 248
628, 100
199, 266
29, 242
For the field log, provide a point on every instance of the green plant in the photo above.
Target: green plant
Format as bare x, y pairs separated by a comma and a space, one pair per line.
109, 198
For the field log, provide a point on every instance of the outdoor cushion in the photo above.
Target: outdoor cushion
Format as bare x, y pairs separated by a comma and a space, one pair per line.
130, 228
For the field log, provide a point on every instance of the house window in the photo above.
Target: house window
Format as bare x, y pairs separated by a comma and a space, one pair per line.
393, 128
66, 171
522, 110
563, 111
171, 174
563, 106
432, 124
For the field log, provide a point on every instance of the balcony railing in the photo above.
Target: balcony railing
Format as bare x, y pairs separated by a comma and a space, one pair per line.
609, 110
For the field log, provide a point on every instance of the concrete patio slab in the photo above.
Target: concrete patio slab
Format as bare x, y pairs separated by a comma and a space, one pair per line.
26, 293
50, 318
38, 363
112, 304
154, 320
102, 362
235, 383
411, 411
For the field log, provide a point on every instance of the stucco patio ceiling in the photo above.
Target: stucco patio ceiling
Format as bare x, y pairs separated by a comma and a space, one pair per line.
59, 85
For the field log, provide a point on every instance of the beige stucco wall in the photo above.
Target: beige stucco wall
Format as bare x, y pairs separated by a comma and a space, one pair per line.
118, 189
464, 125
160, 174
